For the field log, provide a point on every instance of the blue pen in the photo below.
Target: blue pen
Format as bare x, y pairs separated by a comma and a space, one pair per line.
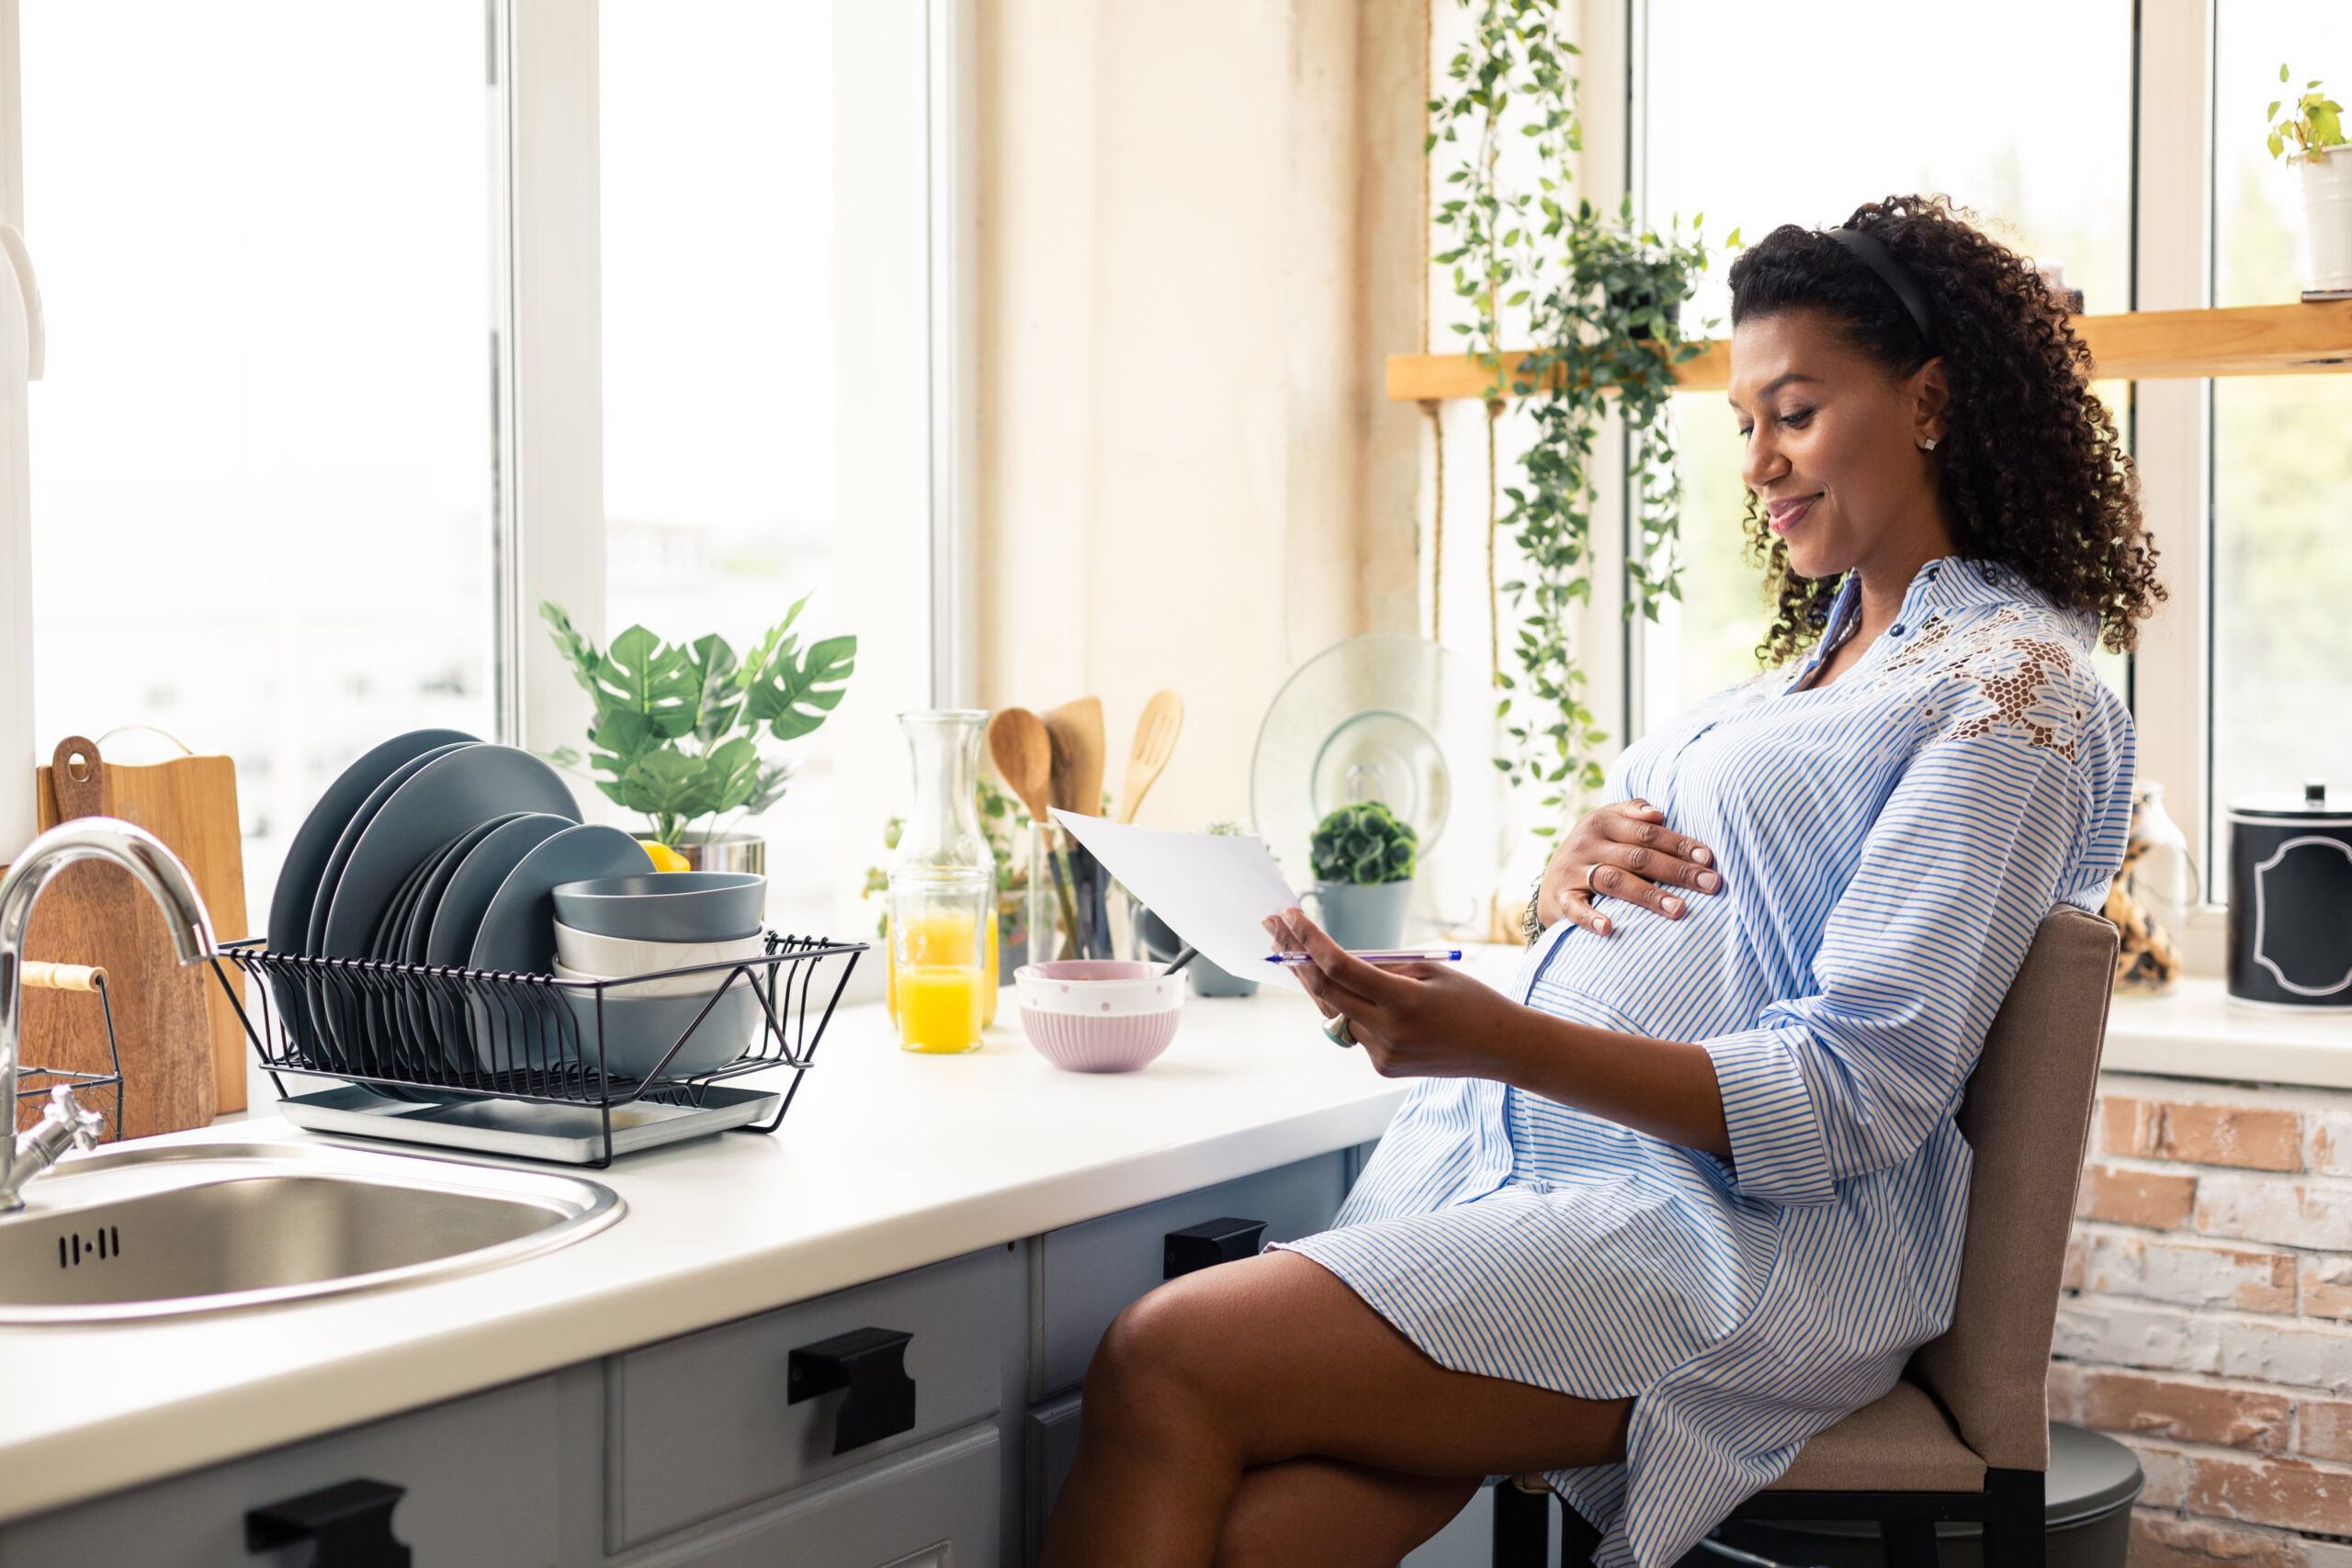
1428, 955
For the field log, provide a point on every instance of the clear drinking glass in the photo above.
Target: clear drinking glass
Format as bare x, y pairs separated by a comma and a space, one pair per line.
943, 891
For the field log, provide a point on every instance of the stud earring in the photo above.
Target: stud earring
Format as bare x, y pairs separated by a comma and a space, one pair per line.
1928, 445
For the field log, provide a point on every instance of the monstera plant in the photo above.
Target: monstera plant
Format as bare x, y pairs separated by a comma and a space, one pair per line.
678, 726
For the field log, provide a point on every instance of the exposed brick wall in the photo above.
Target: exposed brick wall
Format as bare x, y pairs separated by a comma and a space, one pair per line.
2206, 1318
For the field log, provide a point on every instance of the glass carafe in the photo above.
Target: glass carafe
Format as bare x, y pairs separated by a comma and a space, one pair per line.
2152, 898
943, 891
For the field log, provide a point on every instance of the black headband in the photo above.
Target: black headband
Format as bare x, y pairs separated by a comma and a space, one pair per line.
1894, 275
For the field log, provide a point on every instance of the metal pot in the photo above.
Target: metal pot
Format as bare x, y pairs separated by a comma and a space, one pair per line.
2291, 900
726, 851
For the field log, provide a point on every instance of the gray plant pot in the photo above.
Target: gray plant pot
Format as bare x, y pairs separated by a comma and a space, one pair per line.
726, 851
1363, 917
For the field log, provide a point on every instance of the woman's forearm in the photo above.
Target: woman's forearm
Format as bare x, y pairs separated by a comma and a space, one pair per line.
1664, 1088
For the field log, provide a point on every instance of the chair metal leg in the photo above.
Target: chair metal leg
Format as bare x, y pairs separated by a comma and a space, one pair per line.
1522, 1524
2014, 1518
1578, 1540
1911, 1543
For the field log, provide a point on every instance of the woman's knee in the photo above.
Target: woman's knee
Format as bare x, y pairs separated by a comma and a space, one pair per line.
1152, 1347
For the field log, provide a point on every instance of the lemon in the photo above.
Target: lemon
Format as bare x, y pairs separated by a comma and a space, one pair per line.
665, 857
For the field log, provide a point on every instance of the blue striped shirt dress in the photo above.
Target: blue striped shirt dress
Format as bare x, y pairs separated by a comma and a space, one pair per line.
1888, 845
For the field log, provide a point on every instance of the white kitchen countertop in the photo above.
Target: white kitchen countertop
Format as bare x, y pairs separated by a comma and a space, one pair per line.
887, 1161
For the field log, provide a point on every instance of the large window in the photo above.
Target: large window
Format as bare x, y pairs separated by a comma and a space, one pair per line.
716, 211
1807, 120
2282, 465
371, 324
260, 455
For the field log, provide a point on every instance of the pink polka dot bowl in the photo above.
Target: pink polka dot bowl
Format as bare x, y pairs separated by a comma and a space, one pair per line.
1099, 1015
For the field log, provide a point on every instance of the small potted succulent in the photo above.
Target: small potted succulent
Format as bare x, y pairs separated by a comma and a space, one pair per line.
1363, 874
677, 729
2311, 135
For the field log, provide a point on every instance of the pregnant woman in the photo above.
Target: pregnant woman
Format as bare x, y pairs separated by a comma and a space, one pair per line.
1693, 1191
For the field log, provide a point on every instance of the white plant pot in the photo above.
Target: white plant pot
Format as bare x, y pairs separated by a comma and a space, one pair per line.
2327, 214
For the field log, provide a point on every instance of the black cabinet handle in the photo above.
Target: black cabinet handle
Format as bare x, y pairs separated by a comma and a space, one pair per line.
1210, 1243
351, 1524
871, 1364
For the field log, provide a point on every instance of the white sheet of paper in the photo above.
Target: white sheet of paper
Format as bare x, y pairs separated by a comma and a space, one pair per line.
1213, 889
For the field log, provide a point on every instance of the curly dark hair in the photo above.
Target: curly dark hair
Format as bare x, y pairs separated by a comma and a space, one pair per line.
2034, 475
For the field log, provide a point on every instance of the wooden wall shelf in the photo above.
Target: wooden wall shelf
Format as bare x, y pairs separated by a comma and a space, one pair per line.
2138, 346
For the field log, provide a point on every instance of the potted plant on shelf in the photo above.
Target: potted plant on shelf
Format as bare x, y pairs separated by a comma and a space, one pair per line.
2311, 135
677, 728
1363, 874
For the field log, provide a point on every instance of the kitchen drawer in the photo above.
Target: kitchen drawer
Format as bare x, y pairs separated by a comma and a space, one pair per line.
1087, 1272
1049, 1439
699, 1425
934, 1508
479, 1475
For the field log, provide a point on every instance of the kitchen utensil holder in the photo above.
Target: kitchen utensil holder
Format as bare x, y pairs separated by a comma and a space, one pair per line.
35, 1083
438, 1033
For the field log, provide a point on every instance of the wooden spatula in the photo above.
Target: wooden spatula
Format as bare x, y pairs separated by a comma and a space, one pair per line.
1156, 732
1076, 730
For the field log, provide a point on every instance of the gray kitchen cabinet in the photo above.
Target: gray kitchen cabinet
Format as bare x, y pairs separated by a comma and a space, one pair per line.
932, 1507
701, 1425
1085, 1273
477, 1478
694, 1453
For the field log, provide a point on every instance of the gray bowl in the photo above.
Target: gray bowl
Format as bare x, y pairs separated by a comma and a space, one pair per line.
638, 1028
666, 906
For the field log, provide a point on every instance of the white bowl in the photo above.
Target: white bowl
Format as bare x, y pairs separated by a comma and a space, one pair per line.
618, 956
1099, 1015
629, 988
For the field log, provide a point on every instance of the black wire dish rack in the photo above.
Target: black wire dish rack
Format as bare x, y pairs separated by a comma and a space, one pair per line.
530, 1064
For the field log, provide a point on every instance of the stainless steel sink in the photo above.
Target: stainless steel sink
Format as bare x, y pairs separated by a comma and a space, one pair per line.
148, 1232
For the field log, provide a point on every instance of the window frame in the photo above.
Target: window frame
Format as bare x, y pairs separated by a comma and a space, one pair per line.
2170, 421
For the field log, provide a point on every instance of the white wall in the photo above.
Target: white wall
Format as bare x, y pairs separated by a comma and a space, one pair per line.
1196, 247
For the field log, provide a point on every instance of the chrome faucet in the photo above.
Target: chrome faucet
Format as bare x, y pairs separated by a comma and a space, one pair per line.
66, 1124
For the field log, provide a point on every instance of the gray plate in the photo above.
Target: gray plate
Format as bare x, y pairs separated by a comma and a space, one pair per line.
420, 920
441, 800
314, 841
476, 882
518, 937
315, 935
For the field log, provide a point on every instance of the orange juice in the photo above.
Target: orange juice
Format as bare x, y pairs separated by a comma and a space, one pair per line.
939, 1008
939, 999
991, 987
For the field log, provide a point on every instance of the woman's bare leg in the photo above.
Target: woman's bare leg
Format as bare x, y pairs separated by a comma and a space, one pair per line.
1325, 1512
1271, 1359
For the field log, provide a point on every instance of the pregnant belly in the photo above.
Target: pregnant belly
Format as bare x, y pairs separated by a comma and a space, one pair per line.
1685, 979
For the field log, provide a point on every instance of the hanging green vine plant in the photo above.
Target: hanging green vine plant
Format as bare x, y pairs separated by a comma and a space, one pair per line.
1600, 303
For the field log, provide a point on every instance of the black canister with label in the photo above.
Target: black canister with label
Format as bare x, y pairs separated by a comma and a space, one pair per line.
2291, 900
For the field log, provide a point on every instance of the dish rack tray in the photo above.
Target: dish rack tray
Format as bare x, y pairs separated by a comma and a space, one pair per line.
518, 1064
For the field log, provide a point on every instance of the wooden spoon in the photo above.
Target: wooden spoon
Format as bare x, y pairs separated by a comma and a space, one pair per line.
1076, 730
1024, 754
1156, 732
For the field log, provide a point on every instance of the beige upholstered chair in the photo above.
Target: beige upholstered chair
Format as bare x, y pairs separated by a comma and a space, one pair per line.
1966, 1434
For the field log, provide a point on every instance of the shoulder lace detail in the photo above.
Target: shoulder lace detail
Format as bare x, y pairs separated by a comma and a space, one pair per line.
2025, 679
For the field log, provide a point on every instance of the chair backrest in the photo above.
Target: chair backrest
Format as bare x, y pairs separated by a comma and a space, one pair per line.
2026, 1115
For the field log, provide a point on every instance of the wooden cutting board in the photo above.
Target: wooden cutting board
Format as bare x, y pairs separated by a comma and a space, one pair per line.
95, 913
191, 803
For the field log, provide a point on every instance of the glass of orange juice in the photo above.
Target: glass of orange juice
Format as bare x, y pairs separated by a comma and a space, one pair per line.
939, 959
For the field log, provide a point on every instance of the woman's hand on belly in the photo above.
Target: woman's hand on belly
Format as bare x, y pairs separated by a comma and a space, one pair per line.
1432, 1020
1623, 851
